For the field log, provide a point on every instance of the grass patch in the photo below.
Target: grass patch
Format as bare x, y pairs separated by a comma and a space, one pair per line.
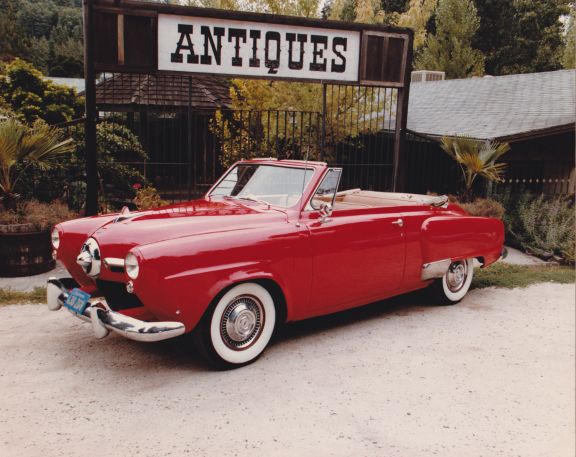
14, 297
509, 276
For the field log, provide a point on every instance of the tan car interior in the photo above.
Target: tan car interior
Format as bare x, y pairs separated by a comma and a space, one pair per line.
357, 198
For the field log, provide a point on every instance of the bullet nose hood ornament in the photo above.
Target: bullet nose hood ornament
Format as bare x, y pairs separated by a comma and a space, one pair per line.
124, 214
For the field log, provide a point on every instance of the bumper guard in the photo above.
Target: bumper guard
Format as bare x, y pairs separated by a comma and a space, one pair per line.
104, 320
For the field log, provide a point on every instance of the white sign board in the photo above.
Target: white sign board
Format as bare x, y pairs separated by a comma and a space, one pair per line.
254, 49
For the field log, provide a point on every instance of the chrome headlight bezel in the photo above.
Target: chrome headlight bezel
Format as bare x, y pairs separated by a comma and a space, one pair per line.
90, 258
131, 266
55, 238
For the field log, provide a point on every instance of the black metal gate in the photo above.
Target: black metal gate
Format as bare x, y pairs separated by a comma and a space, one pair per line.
190, 139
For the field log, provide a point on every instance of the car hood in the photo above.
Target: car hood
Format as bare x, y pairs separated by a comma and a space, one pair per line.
176, 221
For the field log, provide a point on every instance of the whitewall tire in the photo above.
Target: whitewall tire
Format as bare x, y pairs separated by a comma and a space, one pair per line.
454, 285
237, 328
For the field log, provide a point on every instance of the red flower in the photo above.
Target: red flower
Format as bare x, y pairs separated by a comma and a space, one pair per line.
136, 186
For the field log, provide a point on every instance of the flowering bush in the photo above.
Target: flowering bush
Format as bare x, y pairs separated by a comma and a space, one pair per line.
147, 197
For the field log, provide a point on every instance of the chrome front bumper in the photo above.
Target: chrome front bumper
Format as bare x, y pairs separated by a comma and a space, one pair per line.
104, 320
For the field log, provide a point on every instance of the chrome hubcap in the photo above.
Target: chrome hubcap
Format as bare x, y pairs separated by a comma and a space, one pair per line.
456, 276
242, 322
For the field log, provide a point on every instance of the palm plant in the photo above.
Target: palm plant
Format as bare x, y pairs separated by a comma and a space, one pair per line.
476, 158
24, 145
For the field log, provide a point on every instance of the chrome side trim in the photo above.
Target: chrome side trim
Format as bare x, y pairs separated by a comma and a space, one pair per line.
114, 262
434, 270
104, 320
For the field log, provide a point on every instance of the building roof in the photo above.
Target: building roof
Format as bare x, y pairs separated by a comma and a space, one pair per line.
499, 107
126, 91
75, 83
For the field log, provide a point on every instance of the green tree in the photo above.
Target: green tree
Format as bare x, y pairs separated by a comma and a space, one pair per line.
12, 41
537, 43
32, 97
36, 19
569, 57
403, 13
495, 36
66, 45
450, 48
47, 33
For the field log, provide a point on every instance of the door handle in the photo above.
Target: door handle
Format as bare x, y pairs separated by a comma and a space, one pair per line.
399, 222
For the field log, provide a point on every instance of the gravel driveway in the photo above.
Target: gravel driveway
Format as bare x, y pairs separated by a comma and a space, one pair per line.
491, 376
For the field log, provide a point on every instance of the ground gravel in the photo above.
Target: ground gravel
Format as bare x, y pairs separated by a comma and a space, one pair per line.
492, 376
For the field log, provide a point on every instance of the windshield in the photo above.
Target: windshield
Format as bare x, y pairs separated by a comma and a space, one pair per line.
274, 185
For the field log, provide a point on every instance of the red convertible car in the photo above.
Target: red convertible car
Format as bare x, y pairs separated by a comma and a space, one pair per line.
272, 241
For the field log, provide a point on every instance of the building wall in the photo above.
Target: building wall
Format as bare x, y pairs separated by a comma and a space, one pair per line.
545, 164
540, 165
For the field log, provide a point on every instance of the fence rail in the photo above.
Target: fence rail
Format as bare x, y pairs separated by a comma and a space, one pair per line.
546, 186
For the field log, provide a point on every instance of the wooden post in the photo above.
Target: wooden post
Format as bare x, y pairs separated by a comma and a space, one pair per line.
399, 173
91, 114
323, 133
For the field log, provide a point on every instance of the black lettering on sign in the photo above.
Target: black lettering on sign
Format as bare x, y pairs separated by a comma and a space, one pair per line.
292, 64
236, 35
336, 43
254, 60
184, 30
318, 53
272, 64
206, 59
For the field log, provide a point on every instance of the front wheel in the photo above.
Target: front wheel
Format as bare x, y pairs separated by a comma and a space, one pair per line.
453, 286
238, 327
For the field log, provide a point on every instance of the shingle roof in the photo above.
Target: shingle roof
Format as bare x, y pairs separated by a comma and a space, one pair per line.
497, 107
162, 91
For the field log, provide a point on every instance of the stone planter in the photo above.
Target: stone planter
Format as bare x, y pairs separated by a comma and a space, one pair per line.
24, 251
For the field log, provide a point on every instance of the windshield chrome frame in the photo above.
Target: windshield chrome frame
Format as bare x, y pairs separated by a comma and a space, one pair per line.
276, 164
308, 206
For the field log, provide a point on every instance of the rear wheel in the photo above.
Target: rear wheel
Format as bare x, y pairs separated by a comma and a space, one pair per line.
237, 328
454, 285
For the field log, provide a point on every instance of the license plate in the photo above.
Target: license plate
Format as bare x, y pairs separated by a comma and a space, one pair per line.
77, 301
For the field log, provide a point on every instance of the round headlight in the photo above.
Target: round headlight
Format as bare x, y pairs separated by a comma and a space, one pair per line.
55, 238
131, 265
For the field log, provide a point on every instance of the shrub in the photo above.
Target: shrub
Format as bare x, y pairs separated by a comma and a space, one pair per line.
544, 226
22, 146
42, 216
548, 227
118, 147
26, 92
484, 207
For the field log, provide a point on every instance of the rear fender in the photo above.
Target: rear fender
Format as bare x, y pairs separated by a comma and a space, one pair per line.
462, 237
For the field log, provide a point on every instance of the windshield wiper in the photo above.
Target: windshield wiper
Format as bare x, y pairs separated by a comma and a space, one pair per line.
251, 199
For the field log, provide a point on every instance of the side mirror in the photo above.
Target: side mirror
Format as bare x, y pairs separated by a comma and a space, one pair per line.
325, 211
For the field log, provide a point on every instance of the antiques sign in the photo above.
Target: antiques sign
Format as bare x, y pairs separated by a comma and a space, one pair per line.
253, 49
144, 37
